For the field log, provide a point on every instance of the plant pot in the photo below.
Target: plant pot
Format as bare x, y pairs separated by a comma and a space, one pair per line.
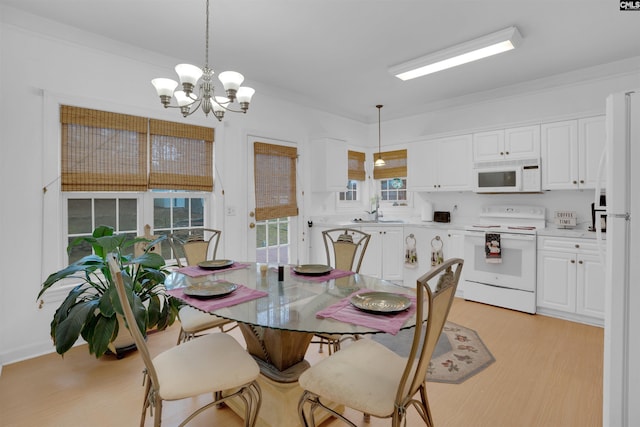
124, 341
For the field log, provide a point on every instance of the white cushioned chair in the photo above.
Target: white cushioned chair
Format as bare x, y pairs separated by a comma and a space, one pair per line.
368, 377
215, 364
197, 245
345, 249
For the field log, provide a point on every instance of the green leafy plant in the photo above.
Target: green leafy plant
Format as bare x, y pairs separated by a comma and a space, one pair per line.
89, 309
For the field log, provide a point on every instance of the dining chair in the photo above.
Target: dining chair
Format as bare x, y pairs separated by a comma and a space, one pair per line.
196, 245
215, 364
345, 247
141, 247
369, 377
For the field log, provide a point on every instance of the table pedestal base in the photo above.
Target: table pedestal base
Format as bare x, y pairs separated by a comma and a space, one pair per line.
279, 405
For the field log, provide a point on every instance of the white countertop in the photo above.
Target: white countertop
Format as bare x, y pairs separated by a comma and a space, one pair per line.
578, 232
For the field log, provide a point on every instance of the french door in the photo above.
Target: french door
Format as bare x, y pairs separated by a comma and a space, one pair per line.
272, 240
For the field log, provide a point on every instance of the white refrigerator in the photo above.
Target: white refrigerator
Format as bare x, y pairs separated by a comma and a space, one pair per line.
621, 382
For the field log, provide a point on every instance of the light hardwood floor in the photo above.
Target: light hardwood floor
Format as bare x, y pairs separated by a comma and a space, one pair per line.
548, 372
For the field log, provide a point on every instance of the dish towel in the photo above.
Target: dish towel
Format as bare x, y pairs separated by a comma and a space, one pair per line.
493, 251
437, 256
344, 311
240, 295
410, 252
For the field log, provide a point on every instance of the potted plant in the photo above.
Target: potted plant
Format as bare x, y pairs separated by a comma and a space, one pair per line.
88, 310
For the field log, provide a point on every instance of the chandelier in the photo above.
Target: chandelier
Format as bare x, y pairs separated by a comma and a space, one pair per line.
189, 75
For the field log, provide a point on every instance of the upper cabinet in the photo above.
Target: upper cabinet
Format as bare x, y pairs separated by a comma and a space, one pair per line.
571, 152
329, 165
442, 164
507, 144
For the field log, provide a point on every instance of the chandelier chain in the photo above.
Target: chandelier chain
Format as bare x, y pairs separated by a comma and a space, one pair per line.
206, 41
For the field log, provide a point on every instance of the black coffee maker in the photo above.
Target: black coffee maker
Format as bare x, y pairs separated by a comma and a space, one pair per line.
599, 214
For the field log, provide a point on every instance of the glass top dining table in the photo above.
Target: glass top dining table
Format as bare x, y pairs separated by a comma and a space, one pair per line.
279, 326
291, 304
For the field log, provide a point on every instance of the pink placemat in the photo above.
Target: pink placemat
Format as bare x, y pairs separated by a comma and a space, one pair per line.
195, 271
344, 311
240, 295
333, 274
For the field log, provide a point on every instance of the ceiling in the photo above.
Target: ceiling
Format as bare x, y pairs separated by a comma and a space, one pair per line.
335, 54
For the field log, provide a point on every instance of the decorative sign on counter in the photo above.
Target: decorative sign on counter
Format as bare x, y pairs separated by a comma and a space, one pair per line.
565, 219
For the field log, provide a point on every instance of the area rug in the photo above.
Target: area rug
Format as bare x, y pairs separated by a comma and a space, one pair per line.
459, 354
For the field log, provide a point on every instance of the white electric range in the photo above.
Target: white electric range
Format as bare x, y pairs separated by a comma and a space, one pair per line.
500, 256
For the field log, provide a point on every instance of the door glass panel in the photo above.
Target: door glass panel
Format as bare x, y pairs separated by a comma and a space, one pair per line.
272, 241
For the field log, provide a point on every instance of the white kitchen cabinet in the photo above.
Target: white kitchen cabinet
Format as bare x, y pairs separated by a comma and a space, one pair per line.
385, 253
571, 153
423, 237
329, 166
442, 164
507, 144
570, 278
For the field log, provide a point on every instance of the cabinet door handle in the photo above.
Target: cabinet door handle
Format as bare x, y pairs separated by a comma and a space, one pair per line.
507, 153
573, 261
580, 262
582, 181
577, 245
502, 153
575, 182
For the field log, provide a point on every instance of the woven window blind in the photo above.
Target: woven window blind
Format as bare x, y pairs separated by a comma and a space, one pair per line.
102, 151
395, 167
356, 166
181, 156
275, 181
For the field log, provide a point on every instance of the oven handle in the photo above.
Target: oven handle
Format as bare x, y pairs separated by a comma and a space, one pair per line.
503, 235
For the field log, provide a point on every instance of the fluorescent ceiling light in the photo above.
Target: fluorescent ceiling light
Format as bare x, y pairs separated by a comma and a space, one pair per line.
491, 44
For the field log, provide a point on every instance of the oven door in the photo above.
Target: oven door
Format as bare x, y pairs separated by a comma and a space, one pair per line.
517, 269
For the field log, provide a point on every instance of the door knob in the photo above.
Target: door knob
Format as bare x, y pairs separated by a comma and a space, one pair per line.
252, 225
251, 214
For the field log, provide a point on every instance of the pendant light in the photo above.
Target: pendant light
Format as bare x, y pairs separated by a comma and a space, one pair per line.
379, 161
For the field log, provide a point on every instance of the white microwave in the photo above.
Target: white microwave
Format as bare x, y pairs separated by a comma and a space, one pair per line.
512, 176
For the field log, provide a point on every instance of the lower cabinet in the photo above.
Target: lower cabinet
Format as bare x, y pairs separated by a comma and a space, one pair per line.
571, 278
385, 254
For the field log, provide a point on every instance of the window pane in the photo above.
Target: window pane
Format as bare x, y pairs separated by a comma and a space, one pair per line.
79, 216
105, 212
197, 212
78, 251
261, 235
162, 213
180, 212
128, 214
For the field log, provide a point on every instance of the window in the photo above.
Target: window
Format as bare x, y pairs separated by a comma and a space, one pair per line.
356, 176
392, 178
394, 190
352, 193
86, 212
139, 162
175, 212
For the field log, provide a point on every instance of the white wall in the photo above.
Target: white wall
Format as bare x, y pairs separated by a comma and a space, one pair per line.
39, 71
43, 64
